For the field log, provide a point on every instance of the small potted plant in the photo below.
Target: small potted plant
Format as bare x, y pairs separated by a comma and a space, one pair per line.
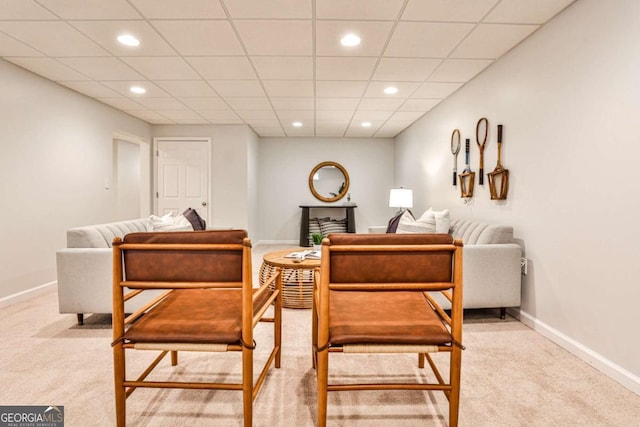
317, 241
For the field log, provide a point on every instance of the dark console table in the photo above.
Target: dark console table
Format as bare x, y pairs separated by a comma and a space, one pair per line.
304, 220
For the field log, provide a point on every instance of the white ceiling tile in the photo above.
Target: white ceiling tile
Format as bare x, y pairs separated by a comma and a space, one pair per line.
380, 104
172, 9
292, 115
492, 40
371, 116
304, 131
358, 9
49, 68
266, 132
373, 35
122, 87
405, 69
459, 70
162, 67
526, 11
149, 116
334, 115
288, 38
327, 104
92, 89
419, 104
102, 68
23, 10
187, 88
376, 89
168, 104
331, 129
220, 115
248, 115
105, 33
435, 90
91, 9
426, 39
250, 103
180, 116
237, 88
121, 103
272, 9
447, 10
12, 47
407, 116
284, 67
264, 122
337, 89
355, 130
393, 127
292, 88
201, 104
344, 68
38, 34
199, 38
222, 67
302, 104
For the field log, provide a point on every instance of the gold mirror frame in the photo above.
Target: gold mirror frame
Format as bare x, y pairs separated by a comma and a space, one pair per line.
338, 196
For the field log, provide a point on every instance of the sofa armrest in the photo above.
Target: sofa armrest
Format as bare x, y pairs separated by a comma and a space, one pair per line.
491, 275
84, 280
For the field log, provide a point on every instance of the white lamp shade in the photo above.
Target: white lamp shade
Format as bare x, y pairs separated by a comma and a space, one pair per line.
400, 198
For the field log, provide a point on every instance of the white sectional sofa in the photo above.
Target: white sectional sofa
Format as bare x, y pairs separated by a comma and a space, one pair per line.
491, 264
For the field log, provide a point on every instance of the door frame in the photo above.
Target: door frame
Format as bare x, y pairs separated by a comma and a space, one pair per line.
145, 168
156, 140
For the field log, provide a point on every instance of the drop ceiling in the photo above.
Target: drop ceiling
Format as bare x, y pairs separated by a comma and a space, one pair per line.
269, 63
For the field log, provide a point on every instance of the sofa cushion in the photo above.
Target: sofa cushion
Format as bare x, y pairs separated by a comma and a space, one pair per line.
102, 235
476, 233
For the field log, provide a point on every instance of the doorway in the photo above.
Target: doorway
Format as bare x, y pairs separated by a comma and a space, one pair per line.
182, 175
131, 177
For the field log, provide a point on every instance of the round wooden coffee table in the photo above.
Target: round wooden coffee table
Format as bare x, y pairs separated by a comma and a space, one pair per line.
297, 277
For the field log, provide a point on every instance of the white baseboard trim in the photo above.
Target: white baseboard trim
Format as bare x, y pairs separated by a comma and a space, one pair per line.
601, 363
25, 295
278, 242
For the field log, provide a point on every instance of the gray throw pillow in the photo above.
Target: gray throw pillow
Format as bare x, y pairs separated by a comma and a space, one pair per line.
196, 220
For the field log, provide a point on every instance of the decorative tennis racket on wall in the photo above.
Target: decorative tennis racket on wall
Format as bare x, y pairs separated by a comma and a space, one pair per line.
467, 177
482, 127
455, 149
499, 178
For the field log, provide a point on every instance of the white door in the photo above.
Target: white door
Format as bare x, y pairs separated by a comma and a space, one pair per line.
182, 175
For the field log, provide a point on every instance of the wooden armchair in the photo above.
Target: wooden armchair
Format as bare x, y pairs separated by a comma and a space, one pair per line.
207, 303
373, 294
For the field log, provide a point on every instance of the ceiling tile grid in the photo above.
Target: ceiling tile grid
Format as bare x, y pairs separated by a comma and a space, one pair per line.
278, 65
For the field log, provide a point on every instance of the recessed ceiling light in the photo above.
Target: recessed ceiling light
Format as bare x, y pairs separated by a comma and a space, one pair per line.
137, 89
128, 40
390, 90
296, 124
366, 124
350, 40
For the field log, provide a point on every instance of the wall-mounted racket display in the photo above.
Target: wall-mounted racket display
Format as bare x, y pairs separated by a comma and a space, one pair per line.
482, 128
499, 177
455, 149
467, 177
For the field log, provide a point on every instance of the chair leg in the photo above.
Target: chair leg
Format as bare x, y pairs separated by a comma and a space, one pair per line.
247, 386
80, 317
454, 378
420, 360
277, 332
174, 358
323, 377
314, 335
119, 377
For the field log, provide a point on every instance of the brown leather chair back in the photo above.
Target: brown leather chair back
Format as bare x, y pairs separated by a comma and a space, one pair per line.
390, 265
185, 266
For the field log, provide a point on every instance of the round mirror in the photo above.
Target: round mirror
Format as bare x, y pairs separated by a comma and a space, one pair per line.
329, 181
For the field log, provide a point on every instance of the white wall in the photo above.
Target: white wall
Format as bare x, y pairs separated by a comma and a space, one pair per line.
285, 164
230, 201
569, 99
56, 150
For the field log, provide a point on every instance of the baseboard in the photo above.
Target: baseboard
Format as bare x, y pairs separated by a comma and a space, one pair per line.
601, 363
278, 242
25, 295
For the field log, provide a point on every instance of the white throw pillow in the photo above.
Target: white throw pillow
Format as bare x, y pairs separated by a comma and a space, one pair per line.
168, 222
425, 224
443, 220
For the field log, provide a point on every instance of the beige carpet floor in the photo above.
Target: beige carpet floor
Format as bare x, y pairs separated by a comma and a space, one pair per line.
511, 376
